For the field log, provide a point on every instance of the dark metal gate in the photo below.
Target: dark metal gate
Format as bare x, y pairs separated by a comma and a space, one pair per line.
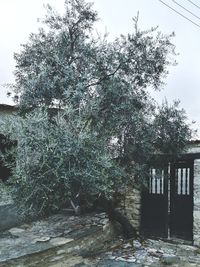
167, 202
181, 200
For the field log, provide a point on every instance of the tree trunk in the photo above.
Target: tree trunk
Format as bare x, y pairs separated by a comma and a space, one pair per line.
114, 215
82, 205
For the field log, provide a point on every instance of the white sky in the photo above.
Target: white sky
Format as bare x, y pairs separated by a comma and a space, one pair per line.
18, 18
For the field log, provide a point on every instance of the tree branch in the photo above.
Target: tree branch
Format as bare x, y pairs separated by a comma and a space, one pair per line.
105, 77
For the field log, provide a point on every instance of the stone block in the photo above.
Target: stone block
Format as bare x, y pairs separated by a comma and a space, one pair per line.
131, 197
132, 211
196, 240
196, 206
170, 259
196, 216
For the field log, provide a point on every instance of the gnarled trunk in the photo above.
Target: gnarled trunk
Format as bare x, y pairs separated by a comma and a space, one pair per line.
116, 216
80, 205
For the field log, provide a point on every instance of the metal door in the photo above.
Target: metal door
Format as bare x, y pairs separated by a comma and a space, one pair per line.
154, 214
181, 200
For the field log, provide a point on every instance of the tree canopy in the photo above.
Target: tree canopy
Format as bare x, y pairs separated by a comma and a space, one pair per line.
91, 123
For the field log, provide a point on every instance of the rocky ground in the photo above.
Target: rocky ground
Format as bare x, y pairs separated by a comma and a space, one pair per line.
152, 253
86, 241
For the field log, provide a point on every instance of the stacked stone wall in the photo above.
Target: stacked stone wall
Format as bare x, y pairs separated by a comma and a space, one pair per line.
196, 211
133, 207
130, 206
195, 148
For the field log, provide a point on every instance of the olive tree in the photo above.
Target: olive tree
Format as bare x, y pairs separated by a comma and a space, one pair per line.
88, 123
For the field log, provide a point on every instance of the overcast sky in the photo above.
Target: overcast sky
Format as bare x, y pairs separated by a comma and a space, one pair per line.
18, 18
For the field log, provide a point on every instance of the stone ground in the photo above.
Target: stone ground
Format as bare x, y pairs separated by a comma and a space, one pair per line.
86, 241
152, 253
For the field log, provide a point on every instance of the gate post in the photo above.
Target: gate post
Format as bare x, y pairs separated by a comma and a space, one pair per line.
133, 207
196, 198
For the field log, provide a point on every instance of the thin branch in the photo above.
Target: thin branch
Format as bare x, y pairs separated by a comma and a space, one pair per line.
105, 77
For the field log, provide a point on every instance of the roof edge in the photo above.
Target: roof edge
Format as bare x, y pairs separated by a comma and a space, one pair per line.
8, 107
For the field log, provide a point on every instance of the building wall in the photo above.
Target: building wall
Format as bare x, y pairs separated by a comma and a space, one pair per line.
6, 110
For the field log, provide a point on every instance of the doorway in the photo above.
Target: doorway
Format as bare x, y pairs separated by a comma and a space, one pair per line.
167, 201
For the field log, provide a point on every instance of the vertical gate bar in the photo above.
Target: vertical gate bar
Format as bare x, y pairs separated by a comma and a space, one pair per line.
161, 182
181, 181
189, 173
191, 182
156, 182
149, 180
186, 181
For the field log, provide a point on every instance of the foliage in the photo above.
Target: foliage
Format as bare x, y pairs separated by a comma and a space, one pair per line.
104, 111
53, 163
172, 132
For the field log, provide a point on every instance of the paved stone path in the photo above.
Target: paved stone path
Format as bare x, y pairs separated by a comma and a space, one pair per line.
70, 241
154, 253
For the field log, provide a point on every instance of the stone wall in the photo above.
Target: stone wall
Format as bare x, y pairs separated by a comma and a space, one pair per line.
196, 212
195, 148
131, 206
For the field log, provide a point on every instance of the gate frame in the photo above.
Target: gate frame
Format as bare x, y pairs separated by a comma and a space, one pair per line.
195, 158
